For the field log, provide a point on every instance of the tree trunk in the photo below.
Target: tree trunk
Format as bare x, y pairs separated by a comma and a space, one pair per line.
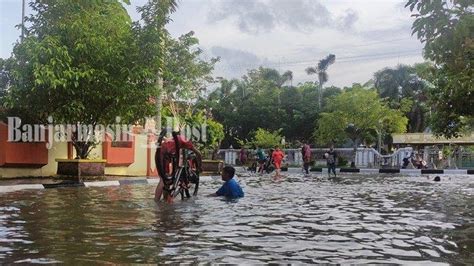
159, 82
159, 102
419, 119
82, 149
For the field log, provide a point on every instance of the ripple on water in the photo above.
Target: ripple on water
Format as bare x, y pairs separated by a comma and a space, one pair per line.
361, 219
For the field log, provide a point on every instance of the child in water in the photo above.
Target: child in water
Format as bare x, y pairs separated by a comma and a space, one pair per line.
231, 188
277, 157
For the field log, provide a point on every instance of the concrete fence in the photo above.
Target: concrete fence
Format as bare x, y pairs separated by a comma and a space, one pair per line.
370, 158
365, 157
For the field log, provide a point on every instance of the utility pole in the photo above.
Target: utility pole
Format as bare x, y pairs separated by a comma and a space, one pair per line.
320, 95
159, 84
22, 18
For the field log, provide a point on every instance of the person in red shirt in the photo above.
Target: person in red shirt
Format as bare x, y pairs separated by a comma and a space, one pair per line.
168, 154
277, 157
306, 152
243, 157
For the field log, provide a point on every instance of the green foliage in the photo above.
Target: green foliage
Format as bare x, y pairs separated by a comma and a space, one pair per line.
78, 63
4, 85
406, 91
151, 34
215, 134
260, 99
357, 114
445, 27
212, 135
266, 139
341, 161
185, 74
176, 71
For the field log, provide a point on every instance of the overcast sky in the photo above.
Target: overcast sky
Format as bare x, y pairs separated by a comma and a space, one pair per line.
365, 35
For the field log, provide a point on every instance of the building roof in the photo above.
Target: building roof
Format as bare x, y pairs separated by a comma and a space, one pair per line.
426, 138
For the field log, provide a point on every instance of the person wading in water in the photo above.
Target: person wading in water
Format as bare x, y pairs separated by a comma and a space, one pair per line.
306, 152
167, 160
331, 159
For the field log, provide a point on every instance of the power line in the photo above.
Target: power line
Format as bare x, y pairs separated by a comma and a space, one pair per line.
344, 59
363, 44
342, 47
405, 55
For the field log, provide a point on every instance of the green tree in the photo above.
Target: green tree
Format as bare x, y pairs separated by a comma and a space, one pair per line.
77, 63
402, 85
328, 93
4, 85
260, 99
321, 70
287, 76
302, 111
243, 105
445, 27
185, 74
266, 139
211, 132
181, 75
215, 134
152, 38
356, 115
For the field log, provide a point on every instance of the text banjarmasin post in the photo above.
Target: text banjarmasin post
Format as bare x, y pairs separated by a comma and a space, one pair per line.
51, 133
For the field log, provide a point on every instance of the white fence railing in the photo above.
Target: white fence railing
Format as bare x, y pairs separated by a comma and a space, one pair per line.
365, 157
369, 157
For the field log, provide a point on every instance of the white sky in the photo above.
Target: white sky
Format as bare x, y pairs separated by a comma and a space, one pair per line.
365, 35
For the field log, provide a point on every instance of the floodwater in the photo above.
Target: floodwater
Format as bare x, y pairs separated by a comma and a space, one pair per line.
359, 219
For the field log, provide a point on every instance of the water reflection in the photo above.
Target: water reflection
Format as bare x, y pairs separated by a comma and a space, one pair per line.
358, 219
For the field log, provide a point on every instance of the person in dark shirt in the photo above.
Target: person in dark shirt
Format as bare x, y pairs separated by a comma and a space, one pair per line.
331, 159
261, 158
230, 189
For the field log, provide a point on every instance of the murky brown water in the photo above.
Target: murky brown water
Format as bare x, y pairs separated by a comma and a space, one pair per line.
357, 220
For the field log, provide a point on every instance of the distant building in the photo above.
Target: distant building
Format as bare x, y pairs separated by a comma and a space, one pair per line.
425, 139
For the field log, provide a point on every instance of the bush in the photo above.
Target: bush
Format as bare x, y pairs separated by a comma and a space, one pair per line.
342, 161
266, 139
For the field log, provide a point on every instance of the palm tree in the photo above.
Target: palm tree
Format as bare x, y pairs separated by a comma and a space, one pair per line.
287, 76
322, 74
403, 82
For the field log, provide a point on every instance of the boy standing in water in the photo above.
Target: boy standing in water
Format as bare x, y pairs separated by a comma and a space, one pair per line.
230, 189
331, 158
277, 157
